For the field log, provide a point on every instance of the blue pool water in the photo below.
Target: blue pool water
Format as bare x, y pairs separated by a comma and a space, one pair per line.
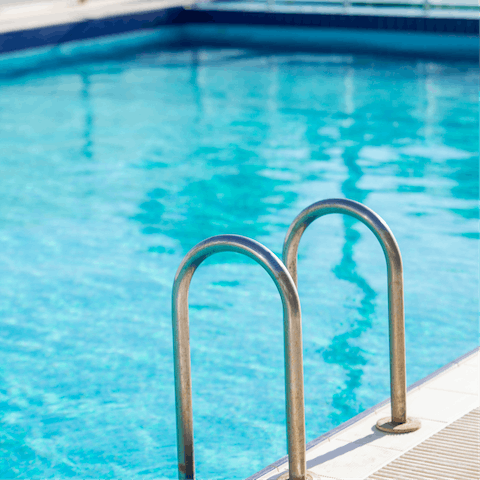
111, 170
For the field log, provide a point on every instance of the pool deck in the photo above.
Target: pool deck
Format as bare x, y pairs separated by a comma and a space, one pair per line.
444, 402
38, 14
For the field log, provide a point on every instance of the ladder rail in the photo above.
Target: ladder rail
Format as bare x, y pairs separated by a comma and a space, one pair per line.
295, 409
378, 226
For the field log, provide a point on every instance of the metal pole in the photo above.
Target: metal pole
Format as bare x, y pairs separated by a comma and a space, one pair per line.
292, 322
399, 423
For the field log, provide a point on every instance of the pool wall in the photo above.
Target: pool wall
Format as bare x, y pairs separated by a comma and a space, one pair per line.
364, 22
85, 29
336, 40
455, 39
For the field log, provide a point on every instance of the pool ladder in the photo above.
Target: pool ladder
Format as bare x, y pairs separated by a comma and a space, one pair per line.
284, 276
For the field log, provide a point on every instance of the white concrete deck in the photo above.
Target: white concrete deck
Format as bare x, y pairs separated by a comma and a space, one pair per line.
452, 453
360, 450
37, 14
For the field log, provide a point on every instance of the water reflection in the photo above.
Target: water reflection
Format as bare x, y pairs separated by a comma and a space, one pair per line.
342, 350
87, 133
215, 205
225, 189
230, 192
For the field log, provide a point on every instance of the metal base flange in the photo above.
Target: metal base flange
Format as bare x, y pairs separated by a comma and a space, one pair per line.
386, 425
308, 476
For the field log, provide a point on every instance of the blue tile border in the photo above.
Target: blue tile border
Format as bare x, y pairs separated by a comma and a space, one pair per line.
59, 34
98, 49
93, 28
410, 24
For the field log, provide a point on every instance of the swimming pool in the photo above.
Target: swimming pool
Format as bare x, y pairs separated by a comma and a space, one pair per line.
113, 169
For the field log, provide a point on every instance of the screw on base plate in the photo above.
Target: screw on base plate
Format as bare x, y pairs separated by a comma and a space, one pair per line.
309, 476
386, 425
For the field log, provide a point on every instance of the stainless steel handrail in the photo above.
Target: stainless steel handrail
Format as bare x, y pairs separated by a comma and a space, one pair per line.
399, 422
292, 322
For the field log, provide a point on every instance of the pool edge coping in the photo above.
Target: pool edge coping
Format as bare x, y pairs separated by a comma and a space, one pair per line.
81, 26
370, 411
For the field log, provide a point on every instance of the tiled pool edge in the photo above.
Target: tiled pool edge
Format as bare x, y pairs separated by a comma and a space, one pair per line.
429, 459
326, 436
86, 29
436, 38
404, 22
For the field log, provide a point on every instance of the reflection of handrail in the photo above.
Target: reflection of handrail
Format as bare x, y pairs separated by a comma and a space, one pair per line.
399, 422
292, 322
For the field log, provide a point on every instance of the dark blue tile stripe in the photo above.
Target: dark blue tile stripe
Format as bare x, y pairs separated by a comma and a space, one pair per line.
364, 414
433, 25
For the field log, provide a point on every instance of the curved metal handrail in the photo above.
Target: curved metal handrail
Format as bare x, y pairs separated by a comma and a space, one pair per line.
399, 421
292, 340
